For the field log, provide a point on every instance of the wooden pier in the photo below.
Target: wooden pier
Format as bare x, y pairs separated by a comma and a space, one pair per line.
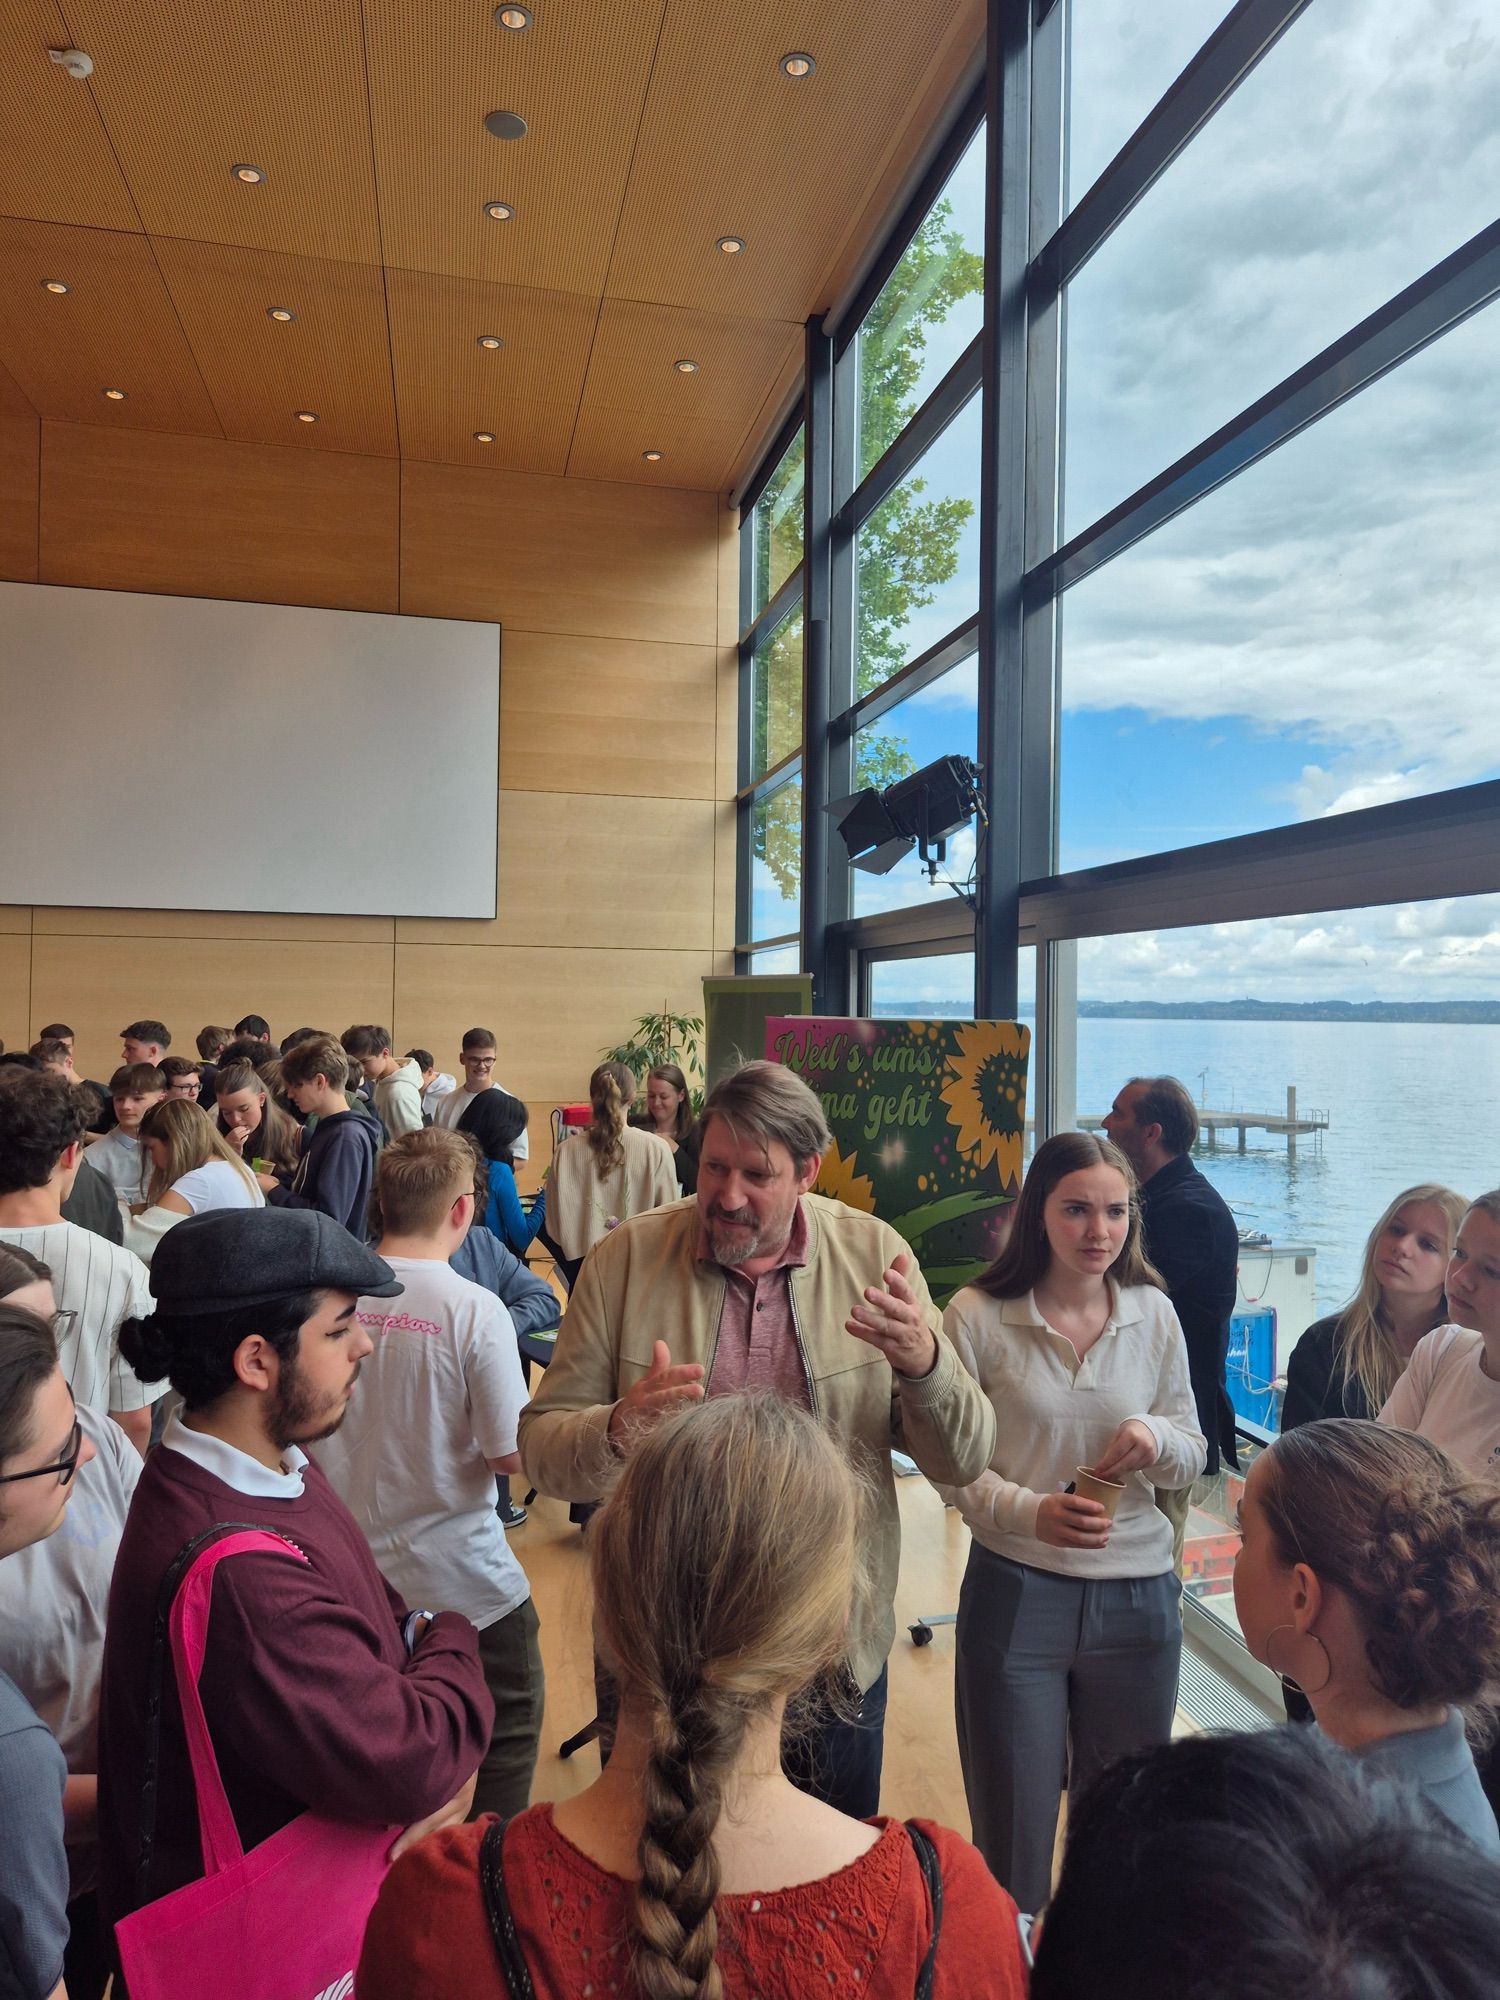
1290, 1125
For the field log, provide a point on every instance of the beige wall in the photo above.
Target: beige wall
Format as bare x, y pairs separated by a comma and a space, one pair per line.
618, 714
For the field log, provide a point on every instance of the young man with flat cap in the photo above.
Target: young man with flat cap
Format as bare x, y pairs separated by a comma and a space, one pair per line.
323, 1691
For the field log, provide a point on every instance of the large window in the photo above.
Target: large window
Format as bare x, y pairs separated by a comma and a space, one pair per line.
928, 311
1316, 636
937, 721
776, 529
776, 861
1364, 147
776, 693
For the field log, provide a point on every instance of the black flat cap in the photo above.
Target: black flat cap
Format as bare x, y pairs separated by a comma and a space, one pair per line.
235, 1257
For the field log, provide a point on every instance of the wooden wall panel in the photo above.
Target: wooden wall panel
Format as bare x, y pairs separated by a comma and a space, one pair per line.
97, 986
584, 870
20, 476
247, 925
553, 1010
15, 988
196, 517
607, 715
558, 555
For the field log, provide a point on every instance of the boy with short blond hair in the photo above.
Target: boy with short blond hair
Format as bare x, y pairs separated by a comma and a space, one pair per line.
435, 1420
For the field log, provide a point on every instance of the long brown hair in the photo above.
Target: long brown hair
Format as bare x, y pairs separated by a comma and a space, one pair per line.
611, 1092
1411, 1540
278, 1138
1367, 1351
683, 1122
1027, 1253
724, 1564
191, 1139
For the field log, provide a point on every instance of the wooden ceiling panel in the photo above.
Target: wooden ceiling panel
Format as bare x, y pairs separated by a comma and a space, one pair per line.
732, 147
116, 328
333, 358
448, 386
12, 402
55, 164
578, 76
189, 88
636, 400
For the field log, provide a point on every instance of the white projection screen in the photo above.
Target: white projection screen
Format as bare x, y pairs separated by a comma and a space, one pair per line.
187, 753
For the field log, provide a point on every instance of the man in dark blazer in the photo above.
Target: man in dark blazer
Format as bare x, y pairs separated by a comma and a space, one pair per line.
1192, 1239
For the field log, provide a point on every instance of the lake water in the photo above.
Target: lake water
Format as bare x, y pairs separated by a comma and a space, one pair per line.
1405, 1103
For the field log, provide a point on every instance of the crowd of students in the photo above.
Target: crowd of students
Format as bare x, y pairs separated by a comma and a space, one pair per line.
281, 1291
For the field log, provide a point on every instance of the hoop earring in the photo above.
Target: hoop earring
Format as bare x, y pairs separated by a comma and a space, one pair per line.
1298, 1682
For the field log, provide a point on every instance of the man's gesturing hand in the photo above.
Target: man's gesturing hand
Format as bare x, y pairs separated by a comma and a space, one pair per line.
656, 1395
890, 1318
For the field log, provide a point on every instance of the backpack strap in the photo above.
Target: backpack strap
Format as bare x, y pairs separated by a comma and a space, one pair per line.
498, 1910
932, 1874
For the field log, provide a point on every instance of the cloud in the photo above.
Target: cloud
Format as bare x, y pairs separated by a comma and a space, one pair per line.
1344, 590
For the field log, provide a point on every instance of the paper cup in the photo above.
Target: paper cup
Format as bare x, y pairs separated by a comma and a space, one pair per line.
1105, 1491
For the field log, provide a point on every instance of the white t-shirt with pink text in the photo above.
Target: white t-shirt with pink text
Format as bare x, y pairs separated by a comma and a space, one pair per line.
1446, 1396
441, 1394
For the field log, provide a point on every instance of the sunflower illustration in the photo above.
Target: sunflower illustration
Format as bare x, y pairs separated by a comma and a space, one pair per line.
839, 1177
986, 1094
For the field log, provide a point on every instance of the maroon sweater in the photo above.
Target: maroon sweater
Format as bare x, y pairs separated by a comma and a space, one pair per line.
310, 1698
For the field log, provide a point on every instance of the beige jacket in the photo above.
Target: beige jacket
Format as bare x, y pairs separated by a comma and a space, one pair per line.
580, 1204
644, 1283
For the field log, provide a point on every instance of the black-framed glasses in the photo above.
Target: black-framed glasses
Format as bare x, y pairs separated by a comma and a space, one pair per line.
64, 1467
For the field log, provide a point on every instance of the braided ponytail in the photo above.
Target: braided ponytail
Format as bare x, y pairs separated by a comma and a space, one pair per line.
611, 1092
724, 1566
1414, 1543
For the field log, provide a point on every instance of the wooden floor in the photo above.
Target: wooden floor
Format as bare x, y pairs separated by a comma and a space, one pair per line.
921, 1753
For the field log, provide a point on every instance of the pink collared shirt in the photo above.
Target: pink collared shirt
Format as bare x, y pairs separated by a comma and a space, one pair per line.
758, 1346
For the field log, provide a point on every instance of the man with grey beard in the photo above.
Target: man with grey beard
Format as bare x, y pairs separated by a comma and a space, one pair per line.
758, 1284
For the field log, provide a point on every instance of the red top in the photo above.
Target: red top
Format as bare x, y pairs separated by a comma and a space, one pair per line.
864, 1930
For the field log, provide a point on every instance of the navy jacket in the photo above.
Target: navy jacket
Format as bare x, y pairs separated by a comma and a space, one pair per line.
484, 1260
1192, 1239
336, 1172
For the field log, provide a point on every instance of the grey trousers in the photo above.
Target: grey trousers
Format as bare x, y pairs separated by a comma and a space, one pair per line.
1055, 1676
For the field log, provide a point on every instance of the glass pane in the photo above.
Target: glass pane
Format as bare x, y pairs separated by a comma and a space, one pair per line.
1363, 149
781, 958
924, 989
778, 530
776, 862
1378, 1028
776, 695
1316, 636
1121, 58
941, 721
928, 311
917, 556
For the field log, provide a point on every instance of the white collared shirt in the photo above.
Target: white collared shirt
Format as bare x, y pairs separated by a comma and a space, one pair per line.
1054, 1413
235, 1467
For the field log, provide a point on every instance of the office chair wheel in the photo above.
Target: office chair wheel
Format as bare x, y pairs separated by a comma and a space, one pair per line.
921, 1634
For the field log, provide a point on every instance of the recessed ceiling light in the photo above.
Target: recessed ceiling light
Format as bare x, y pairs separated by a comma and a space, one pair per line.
55, 285
499, 211
115, 395
731, 245
251, 176
491, 341
307, 416
685, 367
651, 457
798, 63
282, 313
513, 17
484, 437
505, 124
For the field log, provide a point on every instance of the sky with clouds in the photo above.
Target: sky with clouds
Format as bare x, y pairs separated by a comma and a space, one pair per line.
1321, 633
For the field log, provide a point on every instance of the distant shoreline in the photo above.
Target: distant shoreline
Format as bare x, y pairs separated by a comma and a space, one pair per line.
1420, 1013
1453, 1013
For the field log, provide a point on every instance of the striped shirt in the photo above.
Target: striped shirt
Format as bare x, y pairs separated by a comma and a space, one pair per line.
102, 1286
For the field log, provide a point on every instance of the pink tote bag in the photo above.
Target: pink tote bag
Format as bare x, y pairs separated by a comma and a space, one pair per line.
283, 1922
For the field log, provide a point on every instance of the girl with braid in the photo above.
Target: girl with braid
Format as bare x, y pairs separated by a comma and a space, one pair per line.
724, 1566
1369, 1576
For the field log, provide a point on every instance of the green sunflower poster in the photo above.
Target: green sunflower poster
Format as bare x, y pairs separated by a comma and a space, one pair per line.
928, 1121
